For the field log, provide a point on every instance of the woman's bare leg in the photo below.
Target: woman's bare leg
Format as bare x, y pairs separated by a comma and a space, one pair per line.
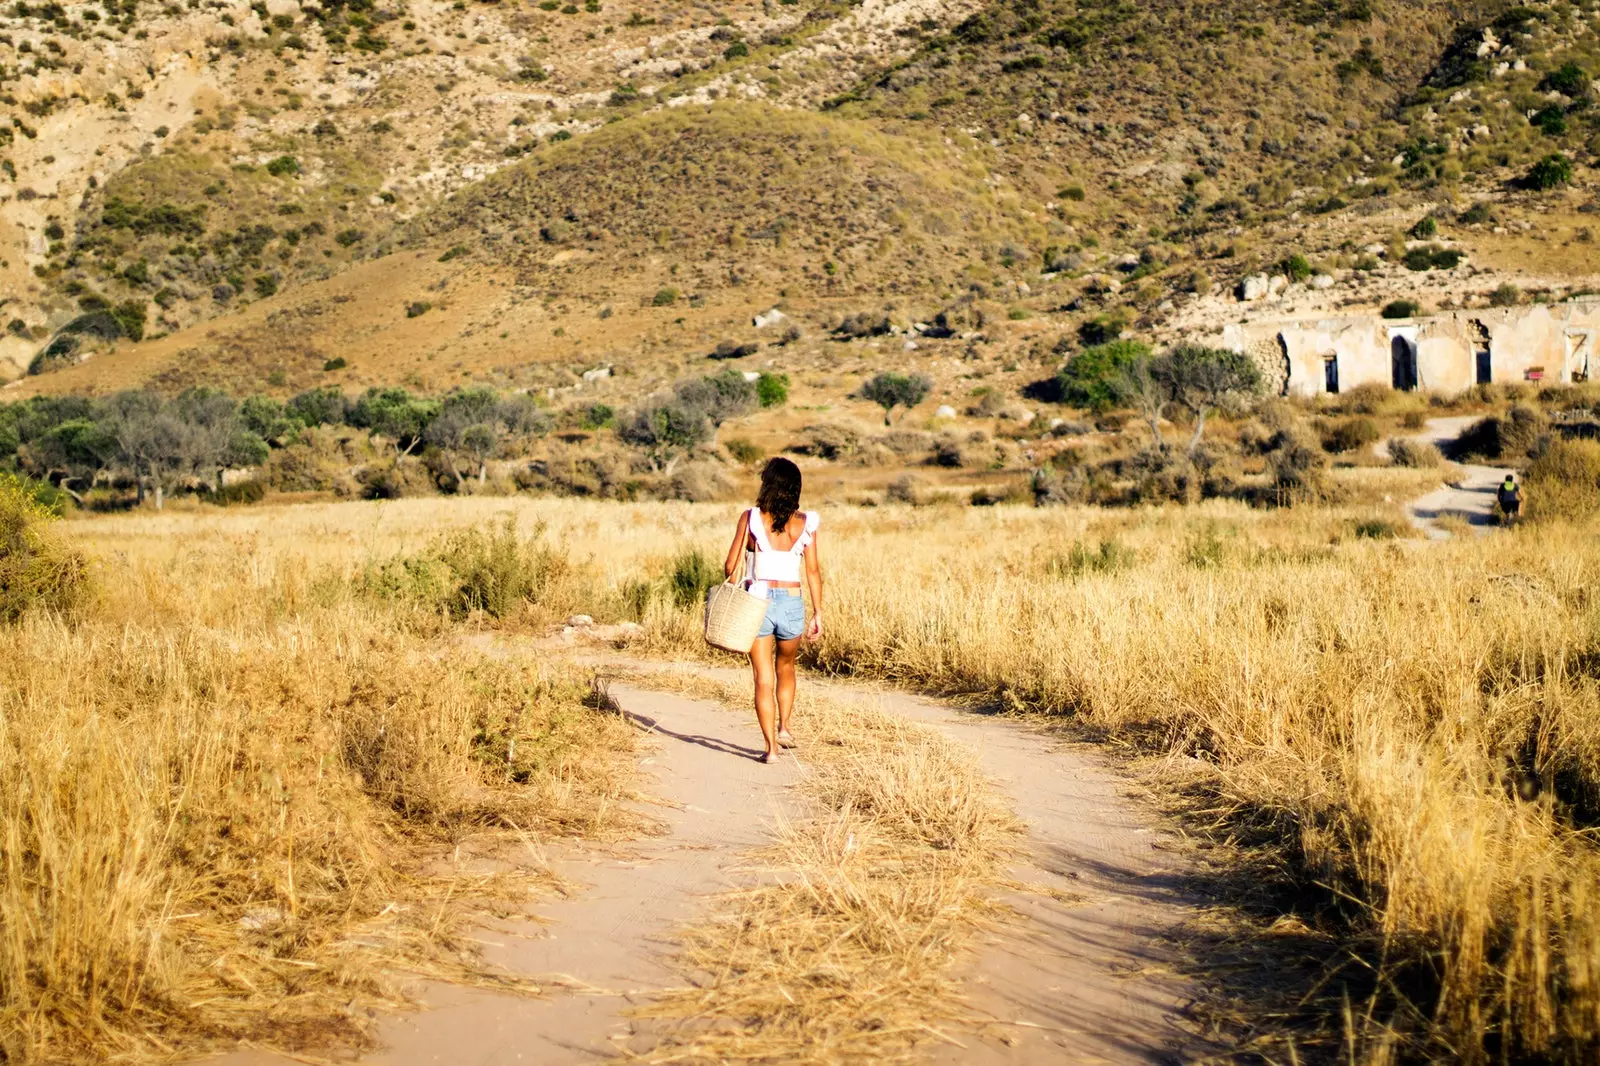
761, 664
787, 651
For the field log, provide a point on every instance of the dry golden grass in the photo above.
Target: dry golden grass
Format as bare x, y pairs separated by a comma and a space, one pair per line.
226, 789
842, 951
1412, 723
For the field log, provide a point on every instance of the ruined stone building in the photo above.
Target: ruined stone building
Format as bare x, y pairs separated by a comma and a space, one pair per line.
1447, 352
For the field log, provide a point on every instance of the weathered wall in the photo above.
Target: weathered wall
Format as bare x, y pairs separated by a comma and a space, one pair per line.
1544, 343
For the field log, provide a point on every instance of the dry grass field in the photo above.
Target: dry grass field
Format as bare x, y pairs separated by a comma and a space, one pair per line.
1408, 725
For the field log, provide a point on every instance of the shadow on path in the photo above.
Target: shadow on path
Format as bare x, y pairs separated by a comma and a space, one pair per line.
726, 747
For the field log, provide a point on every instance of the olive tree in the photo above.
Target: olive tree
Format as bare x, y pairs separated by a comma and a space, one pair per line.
1205, 380
670, 425
477, 423
396, 414
1199, 379
890, 390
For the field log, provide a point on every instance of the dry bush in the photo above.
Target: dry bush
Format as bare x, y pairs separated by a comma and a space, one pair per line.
907, 488
395, 477
605, 473
1349, 435
844, 956
37, 570
1417, 454
221, 796
317, 461
1509, 436
827, 440
1296, 461
700, 482
1564, 482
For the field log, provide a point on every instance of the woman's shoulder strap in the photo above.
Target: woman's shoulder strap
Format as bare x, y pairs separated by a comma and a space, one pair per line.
758, 530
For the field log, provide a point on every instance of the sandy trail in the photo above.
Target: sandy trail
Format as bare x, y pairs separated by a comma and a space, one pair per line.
607, 947
1471, 496
1085, 974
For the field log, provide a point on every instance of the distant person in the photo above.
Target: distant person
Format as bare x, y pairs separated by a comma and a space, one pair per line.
781, 541
1510, 497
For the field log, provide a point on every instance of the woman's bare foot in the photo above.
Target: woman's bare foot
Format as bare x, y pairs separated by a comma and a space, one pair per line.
784, 739
769, 756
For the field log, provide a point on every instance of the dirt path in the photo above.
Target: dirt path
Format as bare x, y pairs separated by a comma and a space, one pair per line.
1085, 974
1088, 973
1470, 497
606, 947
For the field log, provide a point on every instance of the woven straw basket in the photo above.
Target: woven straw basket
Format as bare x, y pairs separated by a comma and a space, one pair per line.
734, 616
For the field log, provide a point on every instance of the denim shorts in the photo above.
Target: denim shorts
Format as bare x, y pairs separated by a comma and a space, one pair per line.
786, 617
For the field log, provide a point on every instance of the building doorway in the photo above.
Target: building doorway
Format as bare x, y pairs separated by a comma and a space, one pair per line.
1330, 373
1403, 364
1484, 361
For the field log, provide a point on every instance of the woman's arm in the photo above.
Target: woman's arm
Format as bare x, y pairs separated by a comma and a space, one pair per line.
740, 535
814, 586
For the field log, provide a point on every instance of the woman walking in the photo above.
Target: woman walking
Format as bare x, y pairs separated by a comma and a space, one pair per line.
781, 541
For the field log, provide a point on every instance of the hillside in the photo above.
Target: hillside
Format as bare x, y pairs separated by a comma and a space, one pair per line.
522, 192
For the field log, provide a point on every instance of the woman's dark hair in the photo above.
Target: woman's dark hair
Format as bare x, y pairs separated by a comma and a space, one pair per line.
780, 492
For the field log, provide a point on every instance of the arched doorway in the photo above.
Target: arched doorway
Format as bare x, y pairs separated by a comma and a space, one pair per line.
1330, 373
1403, 364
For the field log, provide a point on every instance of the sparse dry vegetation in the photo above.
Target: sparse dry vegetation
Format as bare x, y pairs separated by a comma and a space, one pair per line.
231, 793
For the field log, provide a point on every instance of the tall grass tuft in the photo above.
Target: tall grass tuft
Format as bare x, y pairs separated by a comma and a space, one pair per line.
497, 572
1564, 481
690, 576
37, 570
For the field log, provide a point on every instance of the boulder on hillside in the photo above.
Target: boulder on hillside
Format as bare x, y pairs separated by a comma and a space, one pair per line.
1253, 287
768, 318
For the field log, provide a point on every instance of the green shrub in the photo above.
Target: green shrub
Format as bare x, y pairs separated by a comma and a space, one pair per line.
1296, 267
338, 362
1550, 121
497, 572
1093, 378
1425, 229
597, 416
1505, 295
664, 297
690, 576
284, 164
1101, 329
1553, 170
1564, 482
772, 390
1568, 79
418, 308
745, 452
37, 571
1402, 309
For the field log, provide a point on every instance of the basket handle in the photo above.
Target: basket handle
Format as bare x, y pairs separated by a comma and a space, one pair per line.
737, 577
